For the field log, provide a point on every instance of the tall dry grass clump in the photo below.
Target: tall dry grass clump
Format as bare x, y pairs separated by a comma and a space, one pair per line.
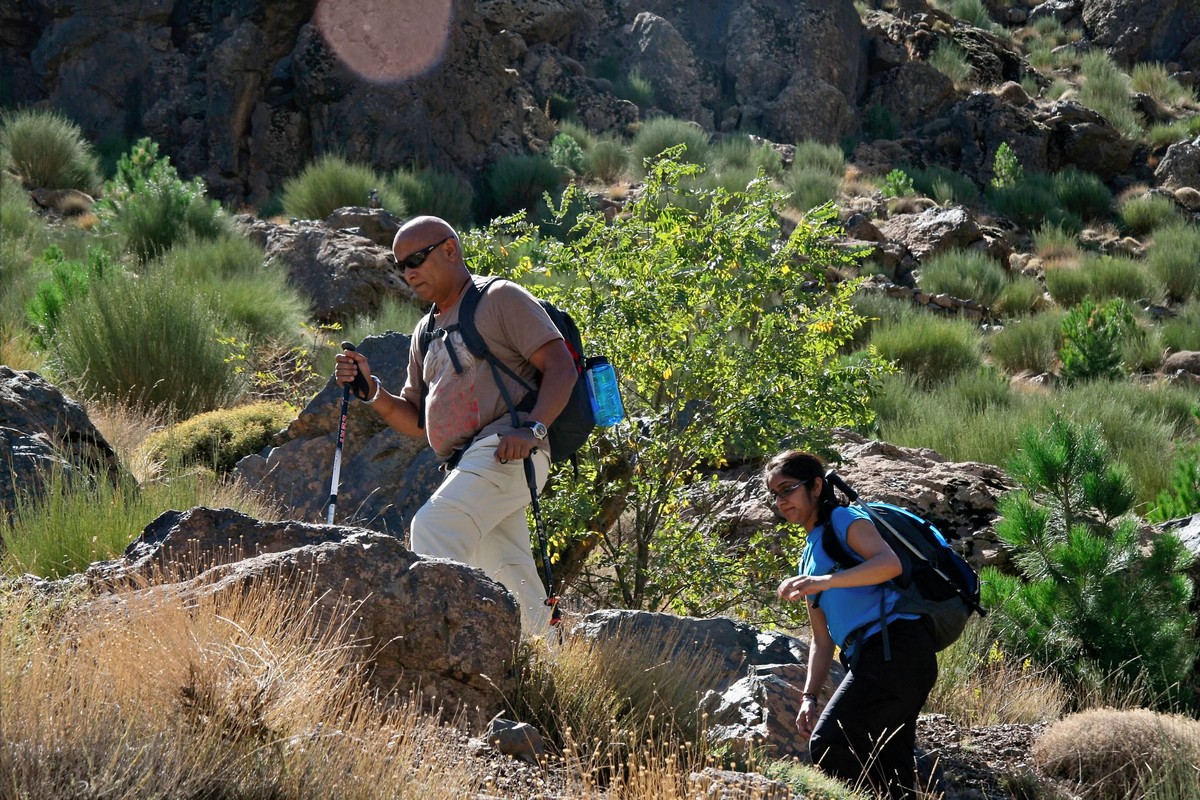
1117, 755
240, 694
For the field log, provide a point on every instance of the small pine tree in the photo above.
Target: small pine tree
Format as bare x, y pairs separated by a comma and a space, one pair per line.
1092, 339
1007, 171
1089, 602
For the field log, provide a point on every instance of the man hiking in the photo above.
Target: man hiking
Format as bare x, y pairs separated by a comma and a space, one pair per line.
477, 515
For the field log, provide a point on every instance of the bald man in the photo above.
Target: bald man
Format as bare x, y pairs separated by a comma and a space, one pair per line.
477, 515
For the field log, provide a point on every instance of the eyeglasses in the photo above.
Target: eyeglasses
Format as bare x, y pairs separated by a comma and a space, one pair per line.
414, 260
784, 491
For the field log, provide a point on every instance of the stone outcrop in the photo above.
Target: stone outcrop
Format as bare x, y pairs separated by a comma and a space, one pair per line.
343, 274
385, 476
436, 627
42, 430
933, 231
1180, 166
1147, 30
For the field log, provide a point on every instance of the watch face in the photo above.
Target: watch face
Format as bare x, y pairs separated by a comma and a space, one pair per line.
539, 430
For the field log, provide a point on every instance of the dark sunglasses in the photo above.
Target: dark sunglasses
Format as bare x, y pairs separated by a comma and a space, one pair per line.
414, 260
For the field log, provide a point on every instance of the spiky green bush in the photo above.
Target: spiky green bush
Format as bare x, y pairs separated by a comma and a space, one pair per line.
47, 150
435, 192
1147, 213
929, 347
1028, 345
817, 155
217, 439
566, 154
660, 133
897, 183
951, 60
111, 343
809, 187
741, 153
1174, 258
332, 182
942, 184
965, 274
1105, 90
1092, 336
1032, 201
1182, 331
635, 88
606, 160
68, 281
518, 183
1119, 276
1082, 194
1152, 78
1068, 285
1022, 295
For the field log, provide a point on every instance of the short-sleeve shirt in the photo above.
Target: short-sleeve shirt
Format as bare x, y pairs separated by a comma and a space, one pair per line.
466, 405
852, 609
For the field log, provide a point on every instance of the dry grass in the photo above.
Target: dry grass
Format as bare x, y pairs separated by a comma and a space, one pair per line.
126, 428
1119, 755
245, 695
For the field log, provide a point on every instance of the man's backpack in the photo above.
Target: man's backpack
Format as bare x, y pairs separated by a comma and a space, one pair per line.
936, 582
571, 429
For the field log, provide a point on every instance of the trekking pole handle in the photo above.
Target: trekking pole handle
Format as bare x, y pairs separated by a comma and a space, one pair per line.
362, 389
841, 485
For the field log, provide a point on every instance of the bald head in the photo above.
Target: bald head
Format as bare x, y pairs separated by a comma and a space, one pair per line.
421, 232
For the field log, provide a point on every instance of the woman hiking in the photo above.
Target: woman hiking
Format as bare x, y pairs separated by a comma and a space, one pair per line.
868, 730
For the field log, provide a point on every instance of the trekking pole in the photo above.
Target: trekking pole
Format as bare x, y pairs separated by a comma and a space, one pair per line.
341, 439
551, 596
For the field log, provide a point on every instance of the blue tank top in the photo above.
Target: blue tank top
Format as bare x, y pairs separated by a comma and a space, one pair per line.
847, 610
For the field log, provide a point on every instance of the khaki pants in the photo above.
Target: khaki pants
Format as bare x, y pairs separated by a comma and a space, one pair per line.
477, 516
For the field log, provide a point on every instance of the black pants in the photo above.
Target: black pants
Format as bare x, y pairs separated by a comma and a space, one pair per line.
869, 729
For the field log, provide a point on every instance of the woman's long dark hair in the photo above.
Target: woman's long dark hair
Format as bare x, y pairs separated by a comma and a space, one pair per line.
804, 467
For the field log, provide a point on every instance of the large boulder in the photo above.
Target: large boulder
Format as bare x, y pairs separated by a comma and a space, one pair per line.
683, 85
1084, 139
1147, 30
978, 125
41, 430
1180, 167
343, 274
434, 627
385, 476
933, 231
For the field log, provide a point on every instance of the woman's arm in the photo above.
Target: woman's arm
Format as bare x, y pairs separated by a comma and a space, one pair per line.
820, 657
880, 564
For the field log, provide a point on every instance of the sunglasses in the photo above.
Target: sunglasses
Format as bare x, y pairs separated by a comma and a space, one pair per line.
414, 260
784, 491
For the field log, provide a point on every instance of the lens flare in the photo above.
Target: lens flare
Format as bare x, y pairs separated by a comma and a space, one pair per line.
386, 41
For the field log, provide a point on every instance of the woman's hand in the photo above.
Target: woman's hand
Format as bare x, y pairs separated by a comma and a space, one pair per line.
798, 587
806, 720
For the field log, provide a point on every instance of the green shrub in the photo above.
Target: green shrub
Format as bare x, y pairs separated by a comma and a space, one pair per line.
1147, 213
877, 308
111, 343
606, 160
879, 123
1021, 295
1142, 350
1092, 338
217, 439
1182, 331
739, 152
47, 150
1182, 499
944, 185
151, 207
582, 136
635, 88
979, 390
1105, 90
1164, 134
331, 182
929, 347
897, 184
1031, 202
1082, 194
69, 280
660, 133
965, 274
566, 154
1052, 241
1089, 602
1152, 78
815, 155
1068, 285
1119, 276
810, 187
1174, 258
1028, 345
973, 12
1007, 171
434, 192
951, 60
518, 183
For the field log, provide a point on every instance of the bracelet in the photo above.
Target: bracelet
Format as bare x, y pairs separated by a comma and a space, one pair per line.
810, 696
378, 391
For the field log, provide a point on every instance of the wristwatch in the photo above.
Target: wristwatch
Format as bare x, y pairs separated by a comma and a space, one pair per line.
539, 430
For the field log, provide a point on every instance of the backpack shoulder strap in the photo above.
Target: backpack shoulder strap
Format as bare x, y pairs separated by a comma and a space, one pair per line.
834, 547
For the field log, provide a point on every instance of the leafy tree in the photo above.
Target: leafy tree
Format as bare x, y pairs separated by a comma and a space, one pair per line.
726, 342
1089, 602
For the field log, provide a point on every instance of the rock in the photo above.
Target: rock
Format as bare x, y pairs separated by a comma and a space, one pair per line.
1065, 11
992, 60
517, 739
385, 476
759, 711
723, 784
933, 231
377, 224
912, 92
1150, 30
1180, 166
981, 123
539, 21
41, 430
1086, 140
1188, 197
68, 202
1013, 93
859, 227
436, 627
344, 275
1186, 360
657, 49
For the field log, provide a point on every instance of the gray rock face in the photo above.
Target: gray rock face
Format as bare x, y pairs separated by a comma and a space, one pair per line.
933, 231
1185, 360
1180, 166
385, 476
982, 122
683, 86
1148, 30
343, 274
913, 92
1084, 139
41, 429
433, 626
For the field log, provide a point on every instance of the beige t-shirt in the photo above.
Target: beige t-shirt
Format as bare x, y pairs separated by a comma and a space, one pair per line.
461, 405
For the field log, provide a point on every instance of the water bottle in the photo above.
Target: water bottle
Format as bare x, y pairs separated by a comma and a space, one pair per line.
604, 392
